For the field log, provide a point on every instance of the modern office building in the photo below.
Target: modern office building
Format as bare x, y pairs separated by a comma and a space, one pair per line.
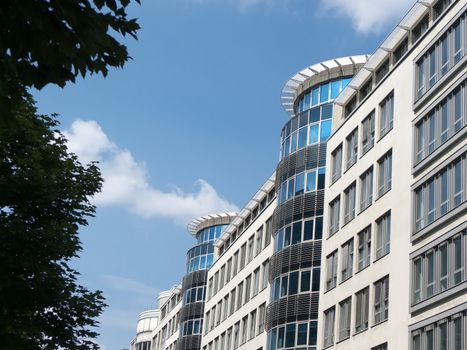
394, 246
295, 264
158, 329
238, 290
359, 238
206, 230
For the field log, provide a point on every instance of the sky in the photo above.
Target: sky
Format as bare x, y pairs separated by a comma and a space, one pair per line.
190, 126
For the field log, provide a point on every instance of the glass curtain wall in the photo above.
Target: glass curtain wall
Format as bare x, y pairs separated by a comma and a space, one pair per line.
300, 182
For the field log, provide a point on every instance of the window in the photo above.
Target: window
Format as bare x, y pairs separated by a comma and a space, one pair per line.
352, 148
420, 28
247, 289
264, 283
334, 215
239, 295
251, 245
252, 323
349, 203
337, 163
261, 317
244, 329
383, 346
381, 300
448, 184
386, 115
268, 233
347, 260
361, 309
439, 268
259, 240
364, 248
366, 89
385, 173
401, 50
382, 71
440, 124
368, 132
442, 55
256, 277
236, 335
441, 334
331, 270
234, 264
329, 319
383, 235
228, 270
344, 318
366, 189
242, 256
232, 302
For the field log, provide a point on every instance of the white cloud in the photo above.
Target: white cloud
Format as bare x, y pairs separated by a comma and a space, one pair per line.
127, 182
368, 15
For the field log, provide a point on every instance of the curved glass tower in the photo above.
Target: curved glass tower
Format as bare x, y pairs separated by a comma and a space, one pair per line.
298, 219
206, 230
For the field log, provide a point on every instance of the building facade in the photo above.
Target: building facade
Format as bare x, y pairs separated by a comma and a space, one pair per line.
238, 290
292, 313
395, 208
199, 259
358, 240
158, 329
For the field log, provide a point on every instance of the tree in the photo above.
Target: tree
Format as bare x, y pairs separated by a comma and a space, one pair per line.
53, 41
44, 198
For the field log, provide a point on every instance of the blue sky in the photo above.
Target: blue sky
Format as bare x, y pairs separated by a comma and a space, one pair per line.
191, 126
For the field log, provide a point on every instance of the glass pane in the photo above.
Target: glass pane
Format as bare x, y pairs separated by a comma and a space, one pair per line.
335, 88
326, 129
305, 281
311, 181
315, 95
302, 137
314, 132
324, 93
315, 115
326, 111
302, 334
299, 184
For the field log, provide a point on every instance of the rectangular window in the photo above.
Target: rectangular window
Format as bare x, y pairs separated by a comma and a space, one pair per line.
334, 215
331, 270
352, 148
232, 302
251, 247
381, 300
261, 317
247, 289
347, 260
239, 295
337, 163
344, 320
368, 132
259, 240
364, 248
361, 310
252, 322
349, 203
242, 256
385, 173
386, 115
268, 233
440, 193
244, 329
329, 320
256, 281
264, 282
383, 235
366, 189
234, 264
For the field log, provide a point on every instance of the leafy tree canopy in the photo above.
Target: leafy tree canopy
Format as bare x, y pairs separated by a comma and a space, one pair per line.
53, 41
44, 198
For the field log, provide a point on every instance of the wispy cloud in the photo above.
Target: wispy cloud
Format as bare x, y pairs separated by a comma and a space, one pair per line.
127, 182
368, 15
128, 285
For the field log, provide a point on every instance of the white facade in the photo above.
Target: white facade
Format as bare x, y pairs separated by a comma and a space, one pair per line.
375, 231
159, 329
238, 289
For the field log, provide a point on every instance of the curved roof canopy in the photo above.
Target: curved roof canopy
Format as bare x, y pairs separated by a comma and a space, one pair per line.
210, 220
329, 68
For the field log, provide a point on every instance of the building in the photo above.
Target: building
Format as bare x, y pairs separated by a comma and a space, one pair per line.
295, 266
199, 259
358, 239
238, 290
395, 244
158, 329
